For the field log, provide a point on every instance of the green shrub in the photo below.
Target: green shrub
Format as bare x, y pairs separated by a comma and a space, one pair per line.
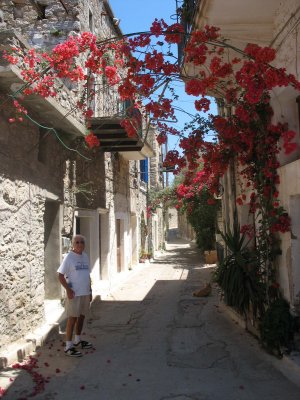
238, 275
277, 326
202, 216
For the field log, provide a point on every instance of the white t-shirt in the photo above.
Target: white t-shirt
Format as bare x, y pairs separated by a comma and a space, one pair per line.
76, 269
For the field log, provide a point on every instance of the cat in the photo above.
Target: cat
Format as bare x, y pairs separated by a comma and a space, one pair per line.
203, 292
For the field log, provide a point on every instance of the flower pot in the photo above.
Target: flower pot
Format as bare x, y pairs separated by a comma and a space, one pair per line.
210, 256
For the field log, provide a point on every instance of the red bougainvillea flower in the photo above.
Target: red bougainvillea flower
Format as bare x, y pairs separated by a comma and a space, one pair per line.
110, 72
157, 27
202, 104
246, 136
162, 138
289, 147
194, 87
174, 33
211, 201
248, 230
260, 54
131, 126
30, 366
92, 140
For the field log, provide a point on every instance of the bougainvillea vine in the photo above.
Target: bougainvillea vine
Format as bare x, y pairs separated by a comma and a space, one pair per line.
141, 66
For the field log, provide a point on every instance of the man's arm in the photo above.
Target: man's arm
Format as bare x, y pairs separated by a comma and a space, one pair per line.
64, 283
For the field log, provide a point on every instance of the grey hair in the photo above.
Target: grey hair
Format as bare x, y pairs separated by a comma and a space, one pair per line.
74, 238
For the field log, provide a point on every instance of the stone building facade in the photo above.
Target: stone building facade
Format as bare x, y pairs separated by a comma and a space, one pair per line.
48, 190
32, 192
156, 182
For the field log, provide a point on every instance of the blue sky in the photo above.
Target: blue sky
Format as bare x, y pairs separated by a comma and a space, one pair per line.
137, 16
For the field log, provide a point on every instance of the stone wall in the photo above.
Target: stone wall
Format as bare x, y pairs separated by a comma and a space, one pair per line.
122, 203
173, 218
29, 178
51, 23
185, 229
21, 258
90, 181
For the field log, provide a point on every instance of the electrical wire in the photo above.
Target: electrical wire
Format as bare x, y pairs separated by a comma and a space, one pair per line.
50, 129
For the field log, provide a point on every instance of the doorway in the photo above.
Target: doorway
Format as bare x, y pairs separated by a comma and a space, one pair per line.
119, 233
52, 249
134, 240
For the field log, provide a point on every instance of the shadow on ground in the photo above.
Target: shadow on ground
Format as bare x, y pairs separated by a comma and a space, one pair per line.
129, 322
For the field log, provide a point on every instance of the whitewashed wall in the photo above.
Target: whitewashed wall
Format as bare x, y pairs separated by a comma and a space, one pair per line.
287, 44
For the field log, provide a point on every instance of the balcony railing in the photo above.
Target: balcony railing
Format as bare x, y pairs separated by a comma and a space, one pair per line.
110, 111
108, 102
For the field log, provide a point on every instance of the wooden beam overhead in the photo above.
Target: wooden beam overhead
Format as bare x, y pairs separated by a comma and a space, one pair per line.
114, 143
112, 149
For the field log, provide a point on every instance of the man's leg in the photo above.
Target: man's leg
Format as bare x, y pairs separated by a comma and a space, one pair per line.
70, 350
79, 324
70, 328
84, 308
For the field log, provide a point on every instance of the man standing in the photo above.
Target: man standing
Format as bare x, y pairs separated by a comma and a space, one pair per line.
74, 275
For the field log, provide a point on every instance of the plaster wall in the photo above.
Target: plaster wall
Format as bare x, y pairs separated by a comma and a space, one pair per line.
286, 42
285, 39
286, 36
289, 277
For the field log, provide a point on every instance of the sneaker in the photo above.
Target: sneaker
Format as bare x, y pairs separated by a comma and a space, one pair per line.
72, 352
83, 344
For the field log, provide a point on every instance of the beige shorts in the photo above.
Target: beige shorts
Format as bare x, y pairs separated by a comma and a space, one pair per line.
77, 306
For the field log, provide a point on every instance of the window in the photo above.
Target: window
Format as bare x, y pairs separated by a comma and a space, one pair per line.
41, 10
91, 21
144, 170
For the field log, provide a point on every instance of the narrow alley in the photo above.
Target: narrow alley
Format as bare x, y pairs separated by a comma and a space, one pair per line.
154, 341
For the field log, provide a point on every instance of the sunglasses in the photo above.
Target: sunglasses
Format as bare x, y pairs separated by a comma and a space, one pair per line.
79, 242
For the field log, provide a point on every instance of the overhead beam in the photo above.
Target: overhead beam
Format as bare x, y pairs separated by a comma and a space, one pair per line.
111, 135
121, 148
117, 142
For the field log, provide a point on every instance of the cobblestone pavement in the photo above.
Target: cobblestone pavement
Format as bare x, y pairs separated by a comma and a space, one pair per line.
155, 341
